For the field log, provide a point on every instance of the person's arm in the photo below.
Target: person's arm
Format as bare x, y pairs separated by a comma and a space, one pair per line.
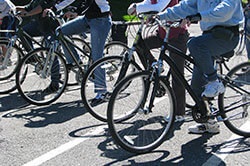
179, 11
222, 12
36, 10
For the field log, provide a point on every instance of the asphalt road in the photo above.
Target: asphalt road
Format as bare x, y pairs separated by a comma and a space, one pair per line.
64, 134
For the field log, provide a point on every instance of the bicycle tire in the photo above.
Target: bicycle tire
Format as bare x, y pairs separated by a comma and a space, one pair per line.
7, 73
234, 102
131, 125
115, 48
32, 86
112, 66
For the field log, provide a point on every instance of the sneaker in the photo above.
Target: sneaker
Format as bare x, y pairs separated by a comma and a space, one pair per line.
99, 99
213, 88
210, 127
178, 118
53, 87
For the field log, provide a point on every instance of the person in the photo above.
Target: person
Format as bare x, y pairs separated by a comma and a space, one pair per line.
93, 15
178, 37
247, 28
219, 21
40, 25
7, 22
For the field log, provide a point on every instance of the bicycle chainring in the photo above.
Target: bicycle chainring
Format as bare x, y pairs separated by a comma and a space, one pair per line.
198, 117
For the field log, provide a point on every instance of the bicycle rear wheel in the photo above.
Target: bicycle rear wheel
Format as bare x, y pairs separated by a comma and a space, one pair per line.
92, 80
8, 66
32, 86
132, 125
115, 48
234, 103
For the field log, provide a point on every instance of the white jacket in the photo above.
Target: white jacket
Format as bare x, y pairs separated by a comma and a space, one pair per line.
146, 6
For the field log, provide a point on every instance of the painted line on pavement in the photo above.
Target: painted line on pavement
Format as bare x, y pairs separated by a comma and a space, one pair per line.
65, 147
226, 149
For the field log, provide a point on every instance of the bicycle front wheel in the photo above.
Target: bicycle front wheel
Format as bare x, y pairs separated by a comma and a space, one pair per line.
234, 103
9, 60
36, 87
133, 125
103, 76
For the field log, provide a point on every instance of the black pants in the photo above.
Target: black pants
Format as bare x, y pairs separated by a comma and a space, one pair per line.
143, 50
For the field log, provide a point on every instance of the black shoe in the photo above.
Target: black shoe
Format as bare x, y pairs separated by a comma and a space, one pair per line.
96, 101
53, 87
70, 66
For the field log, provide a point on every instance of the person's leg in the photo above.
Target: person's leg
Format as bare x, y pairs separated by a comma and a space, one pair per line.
32, 29
99, 29
178, 88
75, 26
144, 46
204, 49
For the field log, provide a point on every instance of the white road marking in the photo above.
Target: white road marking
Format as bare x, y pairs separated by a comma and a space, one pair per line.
63, 148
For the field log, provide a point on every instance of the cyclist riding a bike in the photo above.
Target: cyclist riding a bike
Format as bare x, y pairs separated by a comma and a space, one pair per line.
178, 38
219, 21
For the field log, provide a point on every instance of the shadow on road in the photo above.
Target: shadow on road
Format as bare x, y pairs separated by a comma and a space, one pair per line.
46, 115
12, 101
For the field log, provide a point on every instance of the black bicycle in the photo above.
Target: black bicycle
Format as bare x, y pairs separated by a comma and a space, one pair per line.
127, 61
141, 109
12, 51
116, 67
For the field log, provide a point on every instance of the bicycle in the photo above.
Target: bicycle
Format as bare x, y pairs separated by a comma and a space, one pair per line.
139, 120
14, 52
116, 67
42, 62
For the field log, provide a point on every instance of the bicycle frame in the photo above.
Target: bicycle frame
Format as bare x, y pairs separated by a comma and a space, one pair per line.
176, 72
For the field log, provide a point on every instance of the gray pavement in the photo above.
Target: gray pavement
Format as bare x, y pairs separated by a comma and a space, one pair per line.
64, 134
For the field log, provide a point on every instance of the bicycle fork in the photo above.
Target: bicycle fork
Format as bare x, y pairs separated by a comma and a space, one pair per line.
46, 71
8, 53
155, 78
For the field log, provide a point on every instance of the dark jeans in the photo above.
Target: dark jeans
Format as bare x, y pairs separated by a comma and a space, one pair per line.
143, 50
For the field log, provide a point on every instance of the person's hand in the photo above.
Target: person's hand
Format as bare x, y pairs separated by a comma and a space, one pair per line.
151, 19
45, 12
184, 23
132, 9
23, 14
70, 14
194, 18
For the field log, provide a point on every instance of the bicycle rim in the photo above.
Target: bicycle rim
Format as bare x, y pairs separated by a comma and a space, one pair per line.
234, 103
32, 86
115, 48
7, 72
131, 124
107, 68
